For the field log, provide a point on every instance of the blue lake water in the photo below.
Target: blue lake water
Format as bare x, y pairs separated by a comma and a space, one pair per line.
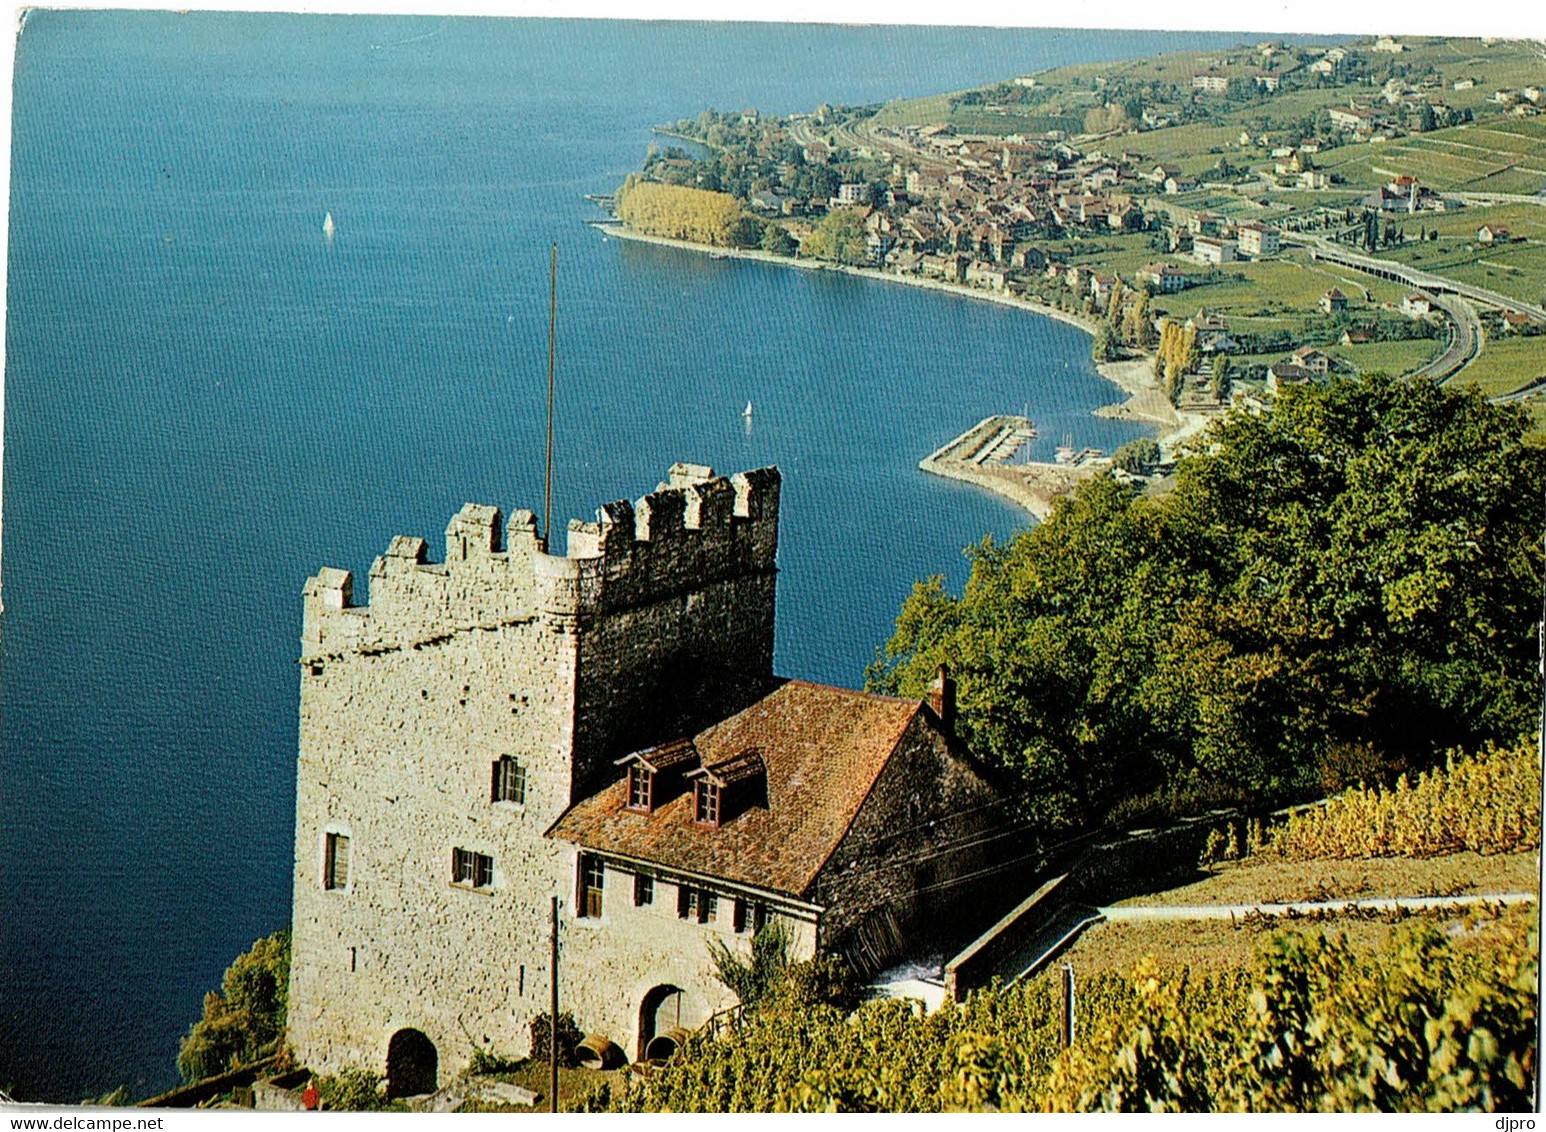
206, 401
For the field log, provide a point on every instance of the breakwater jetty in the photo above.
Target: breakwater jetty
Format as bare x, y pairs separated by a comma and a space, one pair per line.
981, 456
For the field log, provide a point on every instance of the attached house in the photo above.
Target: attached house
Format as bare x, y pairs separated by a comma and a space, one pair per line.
1313, 360
1166, 278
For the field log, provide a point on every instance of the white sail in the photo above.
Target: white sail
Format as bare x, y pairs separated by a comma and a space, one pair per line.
328, 227
748, 411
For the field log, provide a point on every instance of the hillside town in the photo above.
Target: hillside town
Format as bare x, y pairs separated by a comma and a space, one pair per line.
1151, 207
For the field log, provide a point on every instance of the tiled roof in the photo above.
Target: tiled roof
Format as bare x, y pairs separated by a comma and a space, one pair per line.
823, 749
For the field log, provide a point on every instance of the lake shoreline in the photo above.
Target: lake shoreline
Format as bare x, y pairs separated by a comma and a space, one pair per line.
1145, 403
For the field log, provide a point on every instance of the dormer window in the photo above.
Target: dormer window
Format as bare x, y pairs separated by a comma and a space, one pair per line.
655, 774
641, 787
706, 802
725, 790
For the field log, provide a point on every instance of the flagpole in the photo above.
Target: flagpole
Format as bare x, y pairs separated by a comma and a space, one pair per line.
547, 506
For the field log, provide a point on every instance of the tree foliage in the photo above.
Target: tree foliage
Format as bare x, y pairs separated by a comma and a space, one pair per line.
244, 1020
1104, 346
777, 240
1138, 457
1361, 566
679, 212
839, 237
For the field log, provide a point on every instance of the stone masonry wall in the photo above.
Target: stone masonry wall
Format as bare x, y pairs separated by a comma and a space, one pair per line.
922, 826
630, 949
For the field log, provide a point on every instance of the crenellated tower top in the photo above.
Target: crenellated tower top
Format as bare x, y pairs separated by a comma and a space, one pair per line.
694, 530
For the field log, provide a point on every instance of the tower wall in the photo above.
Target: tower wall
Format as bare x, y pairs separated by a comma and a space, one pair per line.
661, 611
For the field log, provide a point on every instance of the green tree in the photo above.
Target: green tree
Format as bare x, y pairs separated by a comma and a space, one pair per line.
1219, 383
1379, 586
754, 978
1103, 347
246, 1019
776, 239
1139, 457
747, 232
839, 236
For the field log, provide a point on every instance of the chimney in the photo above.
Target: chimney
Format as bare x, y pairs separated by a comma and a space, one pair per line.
942, 697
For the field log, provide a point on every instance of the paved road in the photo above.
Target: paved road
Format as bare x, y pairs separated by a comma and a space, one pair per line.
1131, 912
1464, 340
1447, 294
1323, 248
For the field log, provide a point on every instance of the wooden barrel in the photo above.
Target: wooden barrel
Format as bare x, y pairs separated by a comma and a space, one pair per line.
665, 1043
598, 1052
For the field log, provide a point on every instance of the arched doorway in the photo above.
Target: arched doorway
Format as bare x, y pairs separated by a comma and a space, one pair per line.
411, 1064
660, 1021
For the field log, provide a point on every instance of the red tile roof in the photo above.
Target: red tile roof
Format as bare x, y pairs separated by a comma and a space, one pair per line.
823, 749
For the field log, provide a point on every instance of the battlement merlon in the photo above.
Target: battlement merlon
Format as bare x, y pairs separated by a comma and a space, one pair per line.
693, 531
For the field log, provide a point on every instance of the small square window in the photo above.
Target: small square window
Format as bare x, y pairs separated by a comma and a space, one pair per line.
643, 890
475, 869
509, 781
335, 862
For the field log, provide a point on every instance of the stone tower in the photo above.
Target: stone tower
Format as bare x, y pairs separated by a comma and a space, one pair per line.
449, 723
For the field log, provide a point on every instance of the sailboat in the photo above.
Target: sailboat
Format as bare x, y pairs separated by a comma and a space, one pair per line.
328, 227
748, 413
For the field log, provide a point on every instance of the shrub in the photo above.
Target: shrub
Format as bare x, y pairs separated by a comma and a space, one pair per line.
356, 1090
1488, 803
569, 1036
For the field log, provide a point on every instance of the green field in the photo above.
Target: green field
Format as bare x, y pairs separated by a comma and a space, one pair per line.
1506, 364
1390, 357
1517, 269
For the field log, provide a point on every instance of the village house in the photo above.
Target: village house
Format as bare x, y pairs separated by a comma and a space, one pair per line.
1312, 360
1257, 240
1281, 375
1492, 234
1354, 118
1213, 249
1211, 82
1333, 301
1165, 278
512, 743
1417, 305
983, 274
1212, 334
950, 268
